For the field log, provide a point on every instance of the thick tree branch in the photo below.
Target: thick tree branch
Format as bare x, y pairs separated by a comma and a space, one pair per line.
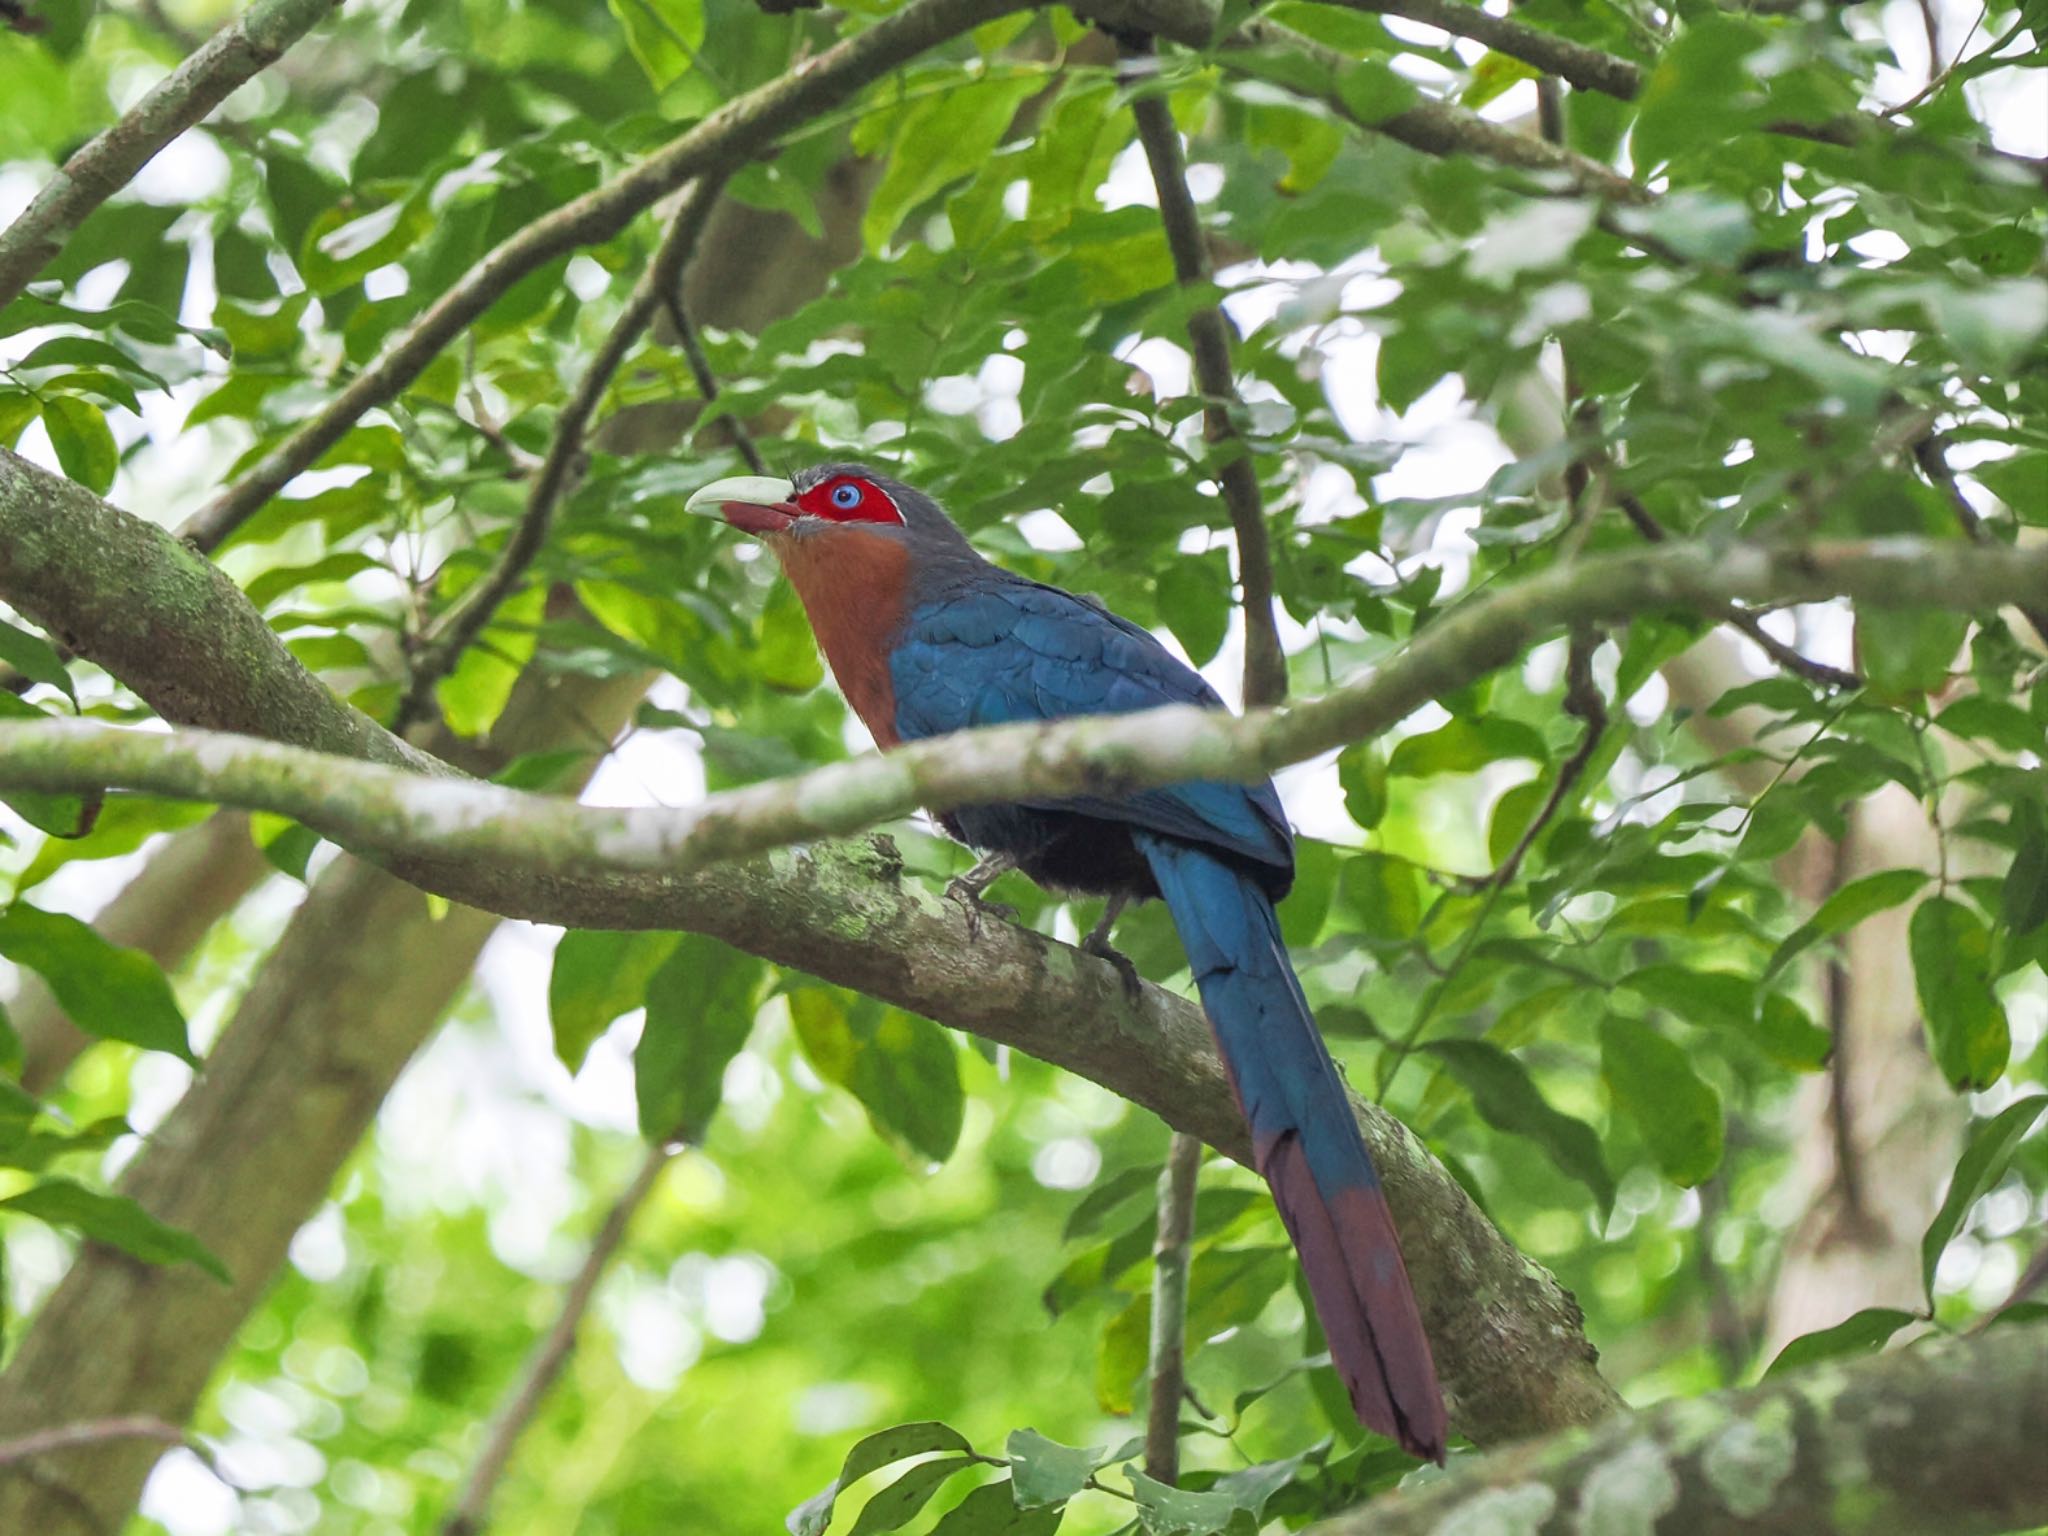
514, 842
255, 40
1514, 1364
562, 467
720, 143
1265, 663
1942, 1439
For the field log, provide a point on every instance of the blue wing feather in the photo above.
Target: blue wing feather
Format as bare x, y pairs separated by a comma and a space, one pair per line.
1015, 650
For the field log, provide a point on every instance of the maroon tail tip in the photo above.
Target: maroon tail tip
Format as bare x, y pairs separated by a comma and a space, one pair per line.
1352, 1257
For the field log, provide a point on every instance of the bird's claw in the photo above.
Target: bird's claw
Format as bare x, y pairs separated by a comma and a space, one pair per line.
968, 895
1099, 946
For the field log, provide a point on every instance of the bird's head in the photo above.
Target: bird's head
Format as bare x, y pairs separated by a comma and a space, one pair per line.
825, 500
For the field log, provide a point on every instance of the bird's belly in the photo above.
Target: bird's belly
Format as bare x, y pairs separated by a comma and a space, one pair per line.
1061, 850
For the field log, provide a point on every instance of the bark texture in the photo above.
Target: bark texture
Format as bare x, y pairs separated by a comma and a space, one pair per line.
1943, 1439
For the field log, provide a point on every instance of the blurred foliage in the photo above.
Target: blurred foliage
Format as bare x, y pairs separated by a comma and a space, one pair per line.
884, 1225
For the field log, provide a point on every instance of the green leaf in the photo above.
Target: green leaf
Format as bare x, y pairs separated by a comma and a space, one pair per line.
85, 448
115, 1220
1985, 1155
1507, 1099
1194, 600
700, 1009
991, 1511
1725, 1000
1998, 721
124, 825
1676, 1113
899, 1503
903, 1069
88, 352
1464, 745
476, 692
1512, 813
939, 140
598, 975
109, 992
1864, 1333
1951, 950
1043, 1471
2023, 904
1847, 907
35, 659
1381, 891
1910, 652
896, 1443
1362, 775
1493, 74
664, 35
1106, 1198
1164, 1510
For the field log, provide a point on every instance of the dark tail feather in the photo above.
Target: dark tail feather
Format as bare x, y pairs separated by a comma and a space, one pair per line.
1305, 1142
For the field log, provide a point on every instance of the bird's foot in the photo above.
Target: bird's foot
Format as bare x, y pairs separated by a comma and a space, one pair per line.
1097, 944
966, 890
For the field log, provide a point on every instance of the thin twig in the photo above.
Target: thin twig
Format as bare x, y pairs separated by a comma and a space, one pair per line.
439, 653
524, 1400
707, 381
1582, 701
1930, 452
1168, 1344
1738, 617
1587, 68
1265, 663
110, 161
65, 1437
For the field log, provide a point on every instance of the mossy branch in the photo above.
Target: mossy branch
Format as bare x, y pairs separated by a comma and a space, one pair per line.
1943, 1439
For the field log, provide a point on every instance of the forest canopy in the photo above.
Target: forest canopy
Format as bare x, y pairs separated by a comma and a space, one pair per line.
486, 1042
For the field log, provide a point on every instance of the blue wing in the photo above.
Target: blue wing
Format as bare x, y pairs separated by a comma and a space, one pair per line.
1015, 650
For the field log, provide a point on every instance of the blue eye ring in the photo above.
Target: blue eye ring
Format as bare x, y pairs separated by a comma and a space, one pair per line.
846, 496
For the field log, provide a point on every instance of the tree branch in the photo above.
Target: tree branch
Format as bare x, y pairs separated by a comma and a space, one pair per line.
1737, 617
1931, 454
1941, 1439
721, 142
514, 843
256, 39
1587, 68
1265, 663
67, 1437
1167, 1350
1514, 1366
562, 467
1431, 126
551, 1354
707, 382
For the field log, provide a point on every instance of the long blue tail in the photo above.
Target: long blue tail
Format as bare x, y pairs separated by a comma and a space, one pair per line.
1305, 1142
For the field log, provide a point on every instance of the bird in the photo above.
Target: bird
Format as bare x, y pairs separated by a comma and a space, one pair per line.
925, 637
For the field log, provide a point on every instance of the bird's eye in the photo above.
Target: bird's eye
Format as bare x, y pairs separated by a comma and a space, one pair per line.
846, 496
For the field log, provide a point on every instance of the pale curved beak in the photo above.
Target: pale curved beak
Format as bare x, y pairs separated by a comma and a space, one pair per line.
751, 503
